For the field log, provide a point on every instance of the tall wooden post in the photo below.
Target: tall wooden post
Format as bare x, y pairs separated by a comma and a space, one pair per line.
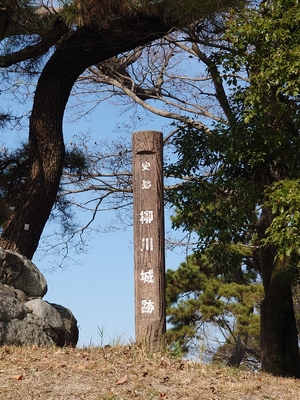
149, 246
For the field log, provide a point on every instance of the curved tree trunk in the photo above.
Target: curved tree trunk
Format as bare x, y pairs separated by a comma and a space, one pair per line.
85, 47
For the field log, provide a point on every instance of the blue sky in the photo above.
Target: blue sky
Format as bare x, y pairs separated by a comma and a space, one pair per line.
99, 287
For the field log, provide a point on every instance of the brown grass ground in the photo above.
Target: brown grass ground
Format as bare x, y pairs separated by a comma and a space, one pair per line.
128, 372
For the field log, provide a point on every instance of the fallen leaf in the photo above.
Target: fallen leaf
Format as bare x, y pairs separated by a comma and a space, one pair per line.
18, 377
213, 389
122, 380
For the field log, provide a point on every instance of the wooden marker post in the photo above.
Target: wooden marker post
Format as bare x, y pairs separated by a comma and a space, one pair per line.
149, 238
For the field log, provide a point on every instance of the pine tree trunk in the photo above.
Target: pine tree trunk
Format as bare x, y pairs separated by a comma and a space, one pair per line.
46, 155
84, 48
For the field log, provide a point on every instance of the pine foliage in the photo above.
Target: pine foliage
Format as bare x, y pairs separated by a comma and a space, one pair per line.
107, 12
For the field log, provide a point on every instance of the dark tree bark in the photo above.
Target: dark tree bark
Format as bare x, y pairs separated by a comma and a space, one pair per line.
52, 36
86, 47
238, 353
3, 20
279, 335
278, 329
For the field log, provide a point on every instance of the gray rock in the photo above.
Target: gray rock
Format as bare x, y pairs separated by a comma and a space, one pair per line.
60, 319
33, 322
18, 326
19, 272
70, 333
20, 295
10, 307
48, 313
28, 331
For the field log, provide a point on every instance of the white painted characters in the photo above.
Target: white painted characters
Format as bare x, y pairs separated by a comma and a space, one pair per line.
147, 244
147, 276
146, 184
147, 307
146, 216
146, 166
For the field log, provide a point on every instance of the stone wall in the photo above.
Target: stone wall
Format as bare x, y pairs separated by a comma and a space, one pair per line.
25, 318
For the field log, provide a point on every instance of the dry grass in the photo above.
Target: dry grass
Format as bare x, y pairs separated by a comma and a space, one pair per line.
128, 372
